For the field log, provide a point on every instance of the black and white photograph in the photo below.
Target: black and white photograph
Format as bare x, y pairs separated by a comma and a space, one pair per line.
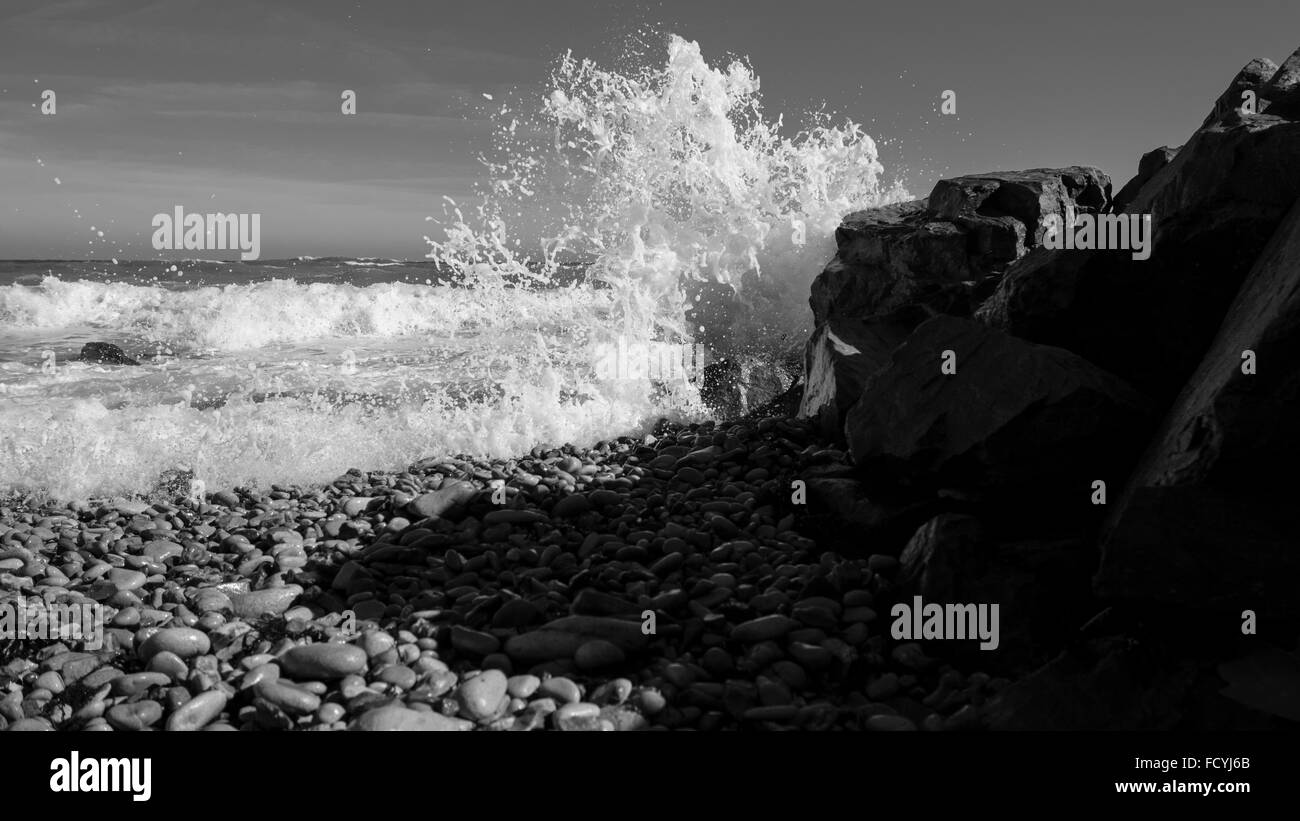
919, 381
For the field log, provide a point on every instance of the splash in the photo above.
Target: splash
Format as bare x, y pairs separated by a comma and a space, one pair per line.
657, 210
670, 179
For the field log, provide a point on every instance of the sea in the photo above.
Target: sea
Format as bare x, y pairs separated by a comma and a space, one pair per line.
665, 208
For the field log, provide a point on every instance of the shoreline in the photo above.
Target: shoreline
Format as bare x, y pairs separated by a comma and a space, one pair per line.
492, 594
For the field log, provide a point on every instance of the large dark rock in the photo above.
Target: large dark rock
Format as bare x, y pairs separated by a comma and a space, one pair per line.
1253, 77
1208, 519
105, 353
1214, 207
1041, 588
841, 355
934, 252
1028, 197
1015, 417
1148, 167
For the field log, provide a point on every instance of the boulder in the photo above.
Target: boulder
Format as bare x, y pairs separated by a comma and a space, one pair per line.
1014, 417
841, 355
1027, 197
1283, 89
935, 252
1148, 167
105, 353
1150, 321
1207, 520
1041, 588
1253, 77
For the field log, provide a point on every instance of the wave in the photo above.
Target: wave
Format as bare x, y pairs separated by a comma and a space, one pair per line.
242, 317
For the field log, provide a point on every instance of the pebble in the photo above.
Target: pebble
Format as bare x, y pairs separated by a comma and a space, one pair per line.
890, 723
197, 712
482, 697
764, 628
184, 642
326, 662
577, 716
286, 696
133, 684
598, 654
564, 690
134, 715
270, 601
522, 686
398, 718
474, 642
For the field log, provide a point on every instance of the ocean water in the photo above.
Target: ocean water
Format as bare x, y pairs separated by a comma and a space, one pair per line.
670, 184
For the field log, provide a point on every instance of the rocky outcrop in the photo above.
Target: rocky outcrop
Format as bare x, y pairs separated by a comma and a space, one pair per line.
841, 355
1040, 587
1148, 167
939, 255
933, 251
1213, 207
1253, 77
1012, 416
1207, 519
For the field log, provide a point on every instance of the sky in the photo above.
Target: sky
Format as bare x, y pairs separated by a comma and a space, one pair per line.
235, 106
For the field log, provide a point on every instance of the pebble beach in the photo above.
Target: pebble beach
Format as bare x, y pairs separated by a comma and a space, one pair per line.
651, 583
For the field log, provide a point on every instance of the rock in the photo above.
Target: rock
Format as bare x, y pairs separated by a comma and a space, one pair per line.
1283, 88
482, 697
516, 613
269, 601
593, 602
514, 517
1042, 588
893, 257
1253, 77
396, 718
1023, 420
932, 252
763, 628
572, 505
626, 635
105, 353
1028, 197
522, 686
1150, 321
136, 683
839, 358
561, 688
185, 642
1206, 522
577, 717
473, 642
198, 712
1148, 167
124, 579
598, 654
288, 697
1109, 684
134, 715
325, 662
543, 645
440, 501
890, 723
942, 552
